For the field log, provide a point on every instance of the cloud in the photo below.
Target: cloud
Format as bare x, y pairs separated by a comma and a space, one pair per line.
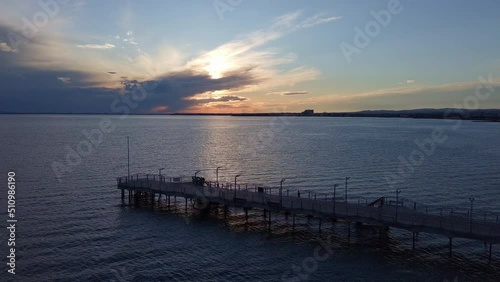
248, 52
53, 52
159, 109
409, 81
317, 19
178, 90
127, 38
228, 98
64, 79
287, 20
97, 46
6, 48
36, 91
289, 93
130, 41
211, 78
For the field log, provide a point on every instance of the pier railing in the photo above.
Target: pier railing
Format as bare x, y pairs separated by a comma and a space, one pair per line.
401, 213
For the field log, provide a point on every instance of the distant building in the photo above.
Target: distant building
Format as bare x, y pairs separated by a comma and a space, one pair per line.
308, 113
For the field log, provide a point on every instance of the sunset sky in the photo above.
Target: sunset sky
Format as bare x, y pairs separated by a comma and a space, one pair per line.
246, 56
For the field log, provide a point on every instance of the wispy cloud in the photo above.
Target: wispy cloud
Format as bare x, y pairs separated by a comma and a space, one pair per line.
6, 48
228, 98
64, 79
318, 19
97, 46
289, 93
406, 82
287, 20
248, 52
159, 109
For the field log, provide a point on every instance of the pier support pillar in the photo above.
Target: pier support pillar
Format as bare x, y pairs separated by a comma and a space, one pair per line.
269, 220
265, 213
246, 215
136, 198
152, 198
451, 246
225, 212
186, 206
123, 195
293, 225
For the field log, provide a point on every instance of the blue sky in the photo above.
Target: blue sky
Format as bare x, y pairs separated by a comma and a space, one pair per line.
247, 56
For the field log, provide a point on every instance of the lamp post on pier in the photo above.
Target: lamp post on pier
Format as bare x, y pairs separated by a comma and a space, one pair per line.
347, 178
217, 175
235, 184
334, 195
281, 190
159, 172
128, 157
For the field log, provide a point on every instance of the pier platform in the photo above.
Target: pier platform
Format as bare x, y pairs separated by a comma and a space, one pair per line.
383, 213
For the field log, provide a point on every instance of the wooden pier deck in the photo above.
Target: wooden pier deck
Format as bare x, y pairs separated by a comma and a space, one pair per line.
395, 215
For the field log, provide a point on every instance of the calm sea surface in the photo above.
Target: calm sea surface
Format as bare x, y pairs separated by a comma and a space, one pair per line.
76, 229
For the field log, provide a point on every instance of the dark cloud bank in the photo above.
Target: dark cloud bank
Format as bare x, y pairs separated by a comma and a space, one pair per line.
24, 89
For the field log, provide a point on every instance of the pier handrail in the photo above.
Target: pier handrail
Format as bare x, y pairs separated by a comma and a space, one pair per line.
419, 213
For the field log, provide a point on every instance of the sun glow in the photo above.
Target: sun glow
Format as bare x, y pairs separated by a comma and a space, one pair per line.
216, 67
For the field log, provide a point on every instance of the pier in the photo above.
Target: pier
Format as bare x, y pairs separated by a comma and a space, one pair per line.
381, 212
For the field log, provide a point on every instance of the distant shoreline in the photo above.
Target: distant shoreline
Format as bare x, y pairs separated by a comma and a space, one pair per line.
482, 115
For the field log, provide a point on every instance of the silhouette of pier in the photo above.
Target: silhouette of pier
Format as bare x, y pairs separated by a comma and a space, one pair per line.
381, 212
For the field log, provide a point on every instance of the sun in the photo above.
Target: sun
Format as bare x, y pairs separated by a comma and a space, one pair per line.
216, 67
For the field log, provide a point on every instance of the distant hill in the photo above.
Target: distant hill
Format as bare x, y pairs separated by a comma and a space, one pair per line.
446, 113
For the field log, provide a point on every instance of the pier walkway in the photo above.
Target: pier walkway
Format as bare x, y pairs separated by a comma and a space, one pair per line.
383, 213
